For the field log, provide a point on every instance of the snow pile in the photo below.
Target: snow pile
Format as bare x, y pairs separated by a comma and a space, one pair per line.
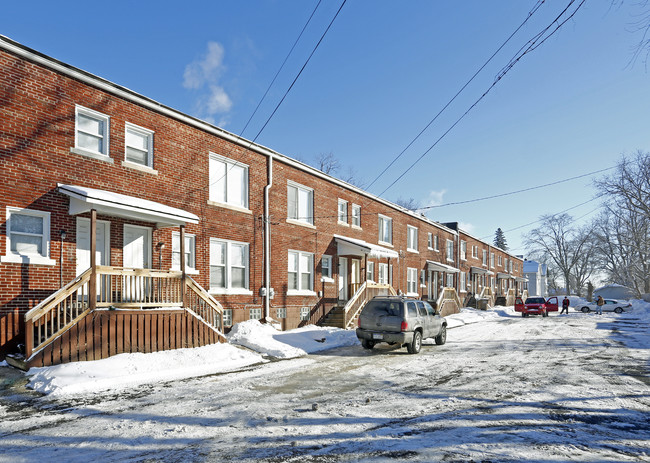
130, 370
468, 315
292, 343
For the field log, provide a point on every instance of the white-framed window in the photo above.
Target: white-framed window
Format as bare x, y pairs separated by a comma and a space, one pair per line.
138, 143
500, 260
382, 276
385, 229
370, 271
485, 257
343, 212
190, 252
301, 272
280, 313
300, 203
227, 317
516, 267
491, 260
326, 268
228, 182
91, 131
423, 278
228, 267
450, 280
411, 280
462, 281
304, 313
436, 246
255, 314
28, 237
356, 215
475, 252
430, 240
411, 238
463, 250
506, 265
450, 250
510, 265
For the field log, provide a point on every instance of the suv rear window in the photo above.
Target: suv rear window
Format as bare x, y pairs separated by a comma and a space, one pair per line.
391, 308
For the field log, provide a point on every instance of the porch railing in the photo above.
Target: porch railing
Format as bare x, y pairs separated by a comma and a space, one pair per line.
524, 295
510, 297
366, 292
117, 287
487, 293
448, 296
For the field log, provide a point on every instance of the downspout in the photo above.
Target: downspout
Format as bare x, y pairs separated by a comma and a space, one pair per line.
267, 241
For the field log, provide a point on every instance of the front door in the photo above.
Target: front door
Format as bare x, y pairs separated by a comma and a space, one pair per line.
137, 247
102, 251
343, 278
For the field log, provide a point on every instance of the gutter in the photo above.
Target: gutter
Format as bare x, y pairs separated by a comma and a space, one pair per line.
267, 241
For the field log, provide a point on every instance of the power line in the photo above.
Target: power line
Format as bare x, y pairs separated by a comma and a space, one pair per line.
532, 45
530, 13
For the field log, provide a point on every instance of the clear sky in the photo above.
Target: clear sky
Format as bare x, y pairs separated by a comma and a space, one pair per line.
382, 72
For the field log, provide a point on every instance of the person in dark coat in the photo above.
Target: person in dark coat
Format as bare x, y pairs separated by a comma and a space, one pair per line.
565, 305
599, 305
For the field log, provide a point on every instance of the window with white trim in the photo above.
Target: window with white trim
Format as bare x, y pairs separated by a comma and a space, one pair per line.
228, 265
28, 236
516, 267
326, 267
91, 131
382, 276
450, 250
411, 238
435, 243
304, 313
475, 252
510, 265
370, 271
190, 252
356, 215
430, 240
450, 280
227, 317
301, 271
228, 181
485, 257
300, 203
423, 278
255, 314
500, 260
491, 260
385, 229
506, 265
411, 280
280, 313
138, 143
462, 282
463, 250
343, 212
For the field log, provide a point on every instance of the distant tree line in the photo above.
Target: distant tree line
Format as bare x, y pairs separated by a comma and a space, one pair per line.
616, 244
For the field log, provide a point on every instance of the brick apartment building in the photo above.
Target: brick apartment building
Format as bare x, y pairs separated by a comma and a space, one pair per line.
264, 235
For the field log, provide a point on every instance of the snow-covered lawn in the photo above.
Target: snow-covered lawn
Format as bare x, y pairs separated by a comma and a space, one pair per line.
503, 388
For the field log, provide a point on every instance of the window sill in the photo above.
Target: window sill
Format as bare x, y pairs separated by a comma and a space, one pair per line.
92, 154
357, 227
345, 224
412, 295
295, 292
189, 271
384, 243
302, 224
139, 167
231, 292
230, 206
30, 260
327, 280
450, 260
414, 251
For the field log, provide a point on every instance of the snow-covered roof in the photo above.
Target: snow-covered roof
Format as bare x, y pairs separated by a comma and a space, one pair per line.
433, 265
83, 199
349, 245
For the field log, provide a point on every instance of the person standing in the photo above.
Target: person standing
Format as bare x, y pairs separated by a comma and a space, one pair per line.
565, 305
599, 305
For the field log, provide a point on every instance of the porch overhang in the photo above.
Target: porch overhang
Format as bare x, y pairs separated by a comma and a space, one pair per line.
505, 276
356, 247
480, 271
521, 280
438, 267
83, 199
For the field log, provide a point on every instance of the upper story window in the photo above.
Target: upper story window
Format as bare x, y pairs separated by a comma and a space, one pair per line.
356, 215
91, 131
450, 250
343, 212
510, 265
463, 250
485, 257
436, 246
500, 261
516, 267
411, 238
300, 203
430, 240
301, 271
138, 143
190, 252
228, 181
475, 252
385, 229
228, 266
506, 265
28, 237
491, 260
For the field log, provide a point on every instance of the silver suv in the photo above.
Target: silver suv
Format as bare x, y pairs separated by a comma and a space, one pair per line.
398, 319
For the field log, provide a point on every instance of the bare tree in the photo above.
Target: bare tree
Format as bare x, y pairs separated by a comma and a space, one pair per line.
560, 244
585, 261
327, 162
640, 26
411, 204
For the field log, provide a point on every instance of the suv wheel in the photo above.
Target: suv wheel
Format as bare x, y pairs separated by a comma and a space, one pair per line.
442, 336
585, 309
416, 345
367, 344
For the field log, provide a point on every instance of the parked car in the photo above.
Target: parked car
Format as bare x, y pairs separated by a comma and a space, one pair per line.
610, 305
400, 320
536, 306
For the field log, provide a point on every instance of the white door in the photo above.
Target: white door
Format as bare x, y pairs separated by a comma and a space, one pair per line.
137, 247
102, 252
343, 278
355, 274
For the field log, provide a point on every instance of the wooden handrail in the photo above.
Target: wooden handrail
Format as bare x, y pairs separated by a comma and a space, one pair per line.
57, 296
366, 292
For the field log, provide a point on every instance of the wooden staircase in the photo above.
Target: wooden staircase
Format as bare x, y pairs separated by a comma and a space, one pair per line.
335, 318
346, 317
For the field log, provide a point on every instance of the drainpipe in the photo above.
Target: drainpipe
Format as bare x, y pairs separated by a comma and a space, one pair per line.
267, 240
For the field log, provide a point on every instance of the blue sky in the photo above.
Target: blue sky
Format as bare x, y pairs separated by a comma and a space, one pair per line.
384, 69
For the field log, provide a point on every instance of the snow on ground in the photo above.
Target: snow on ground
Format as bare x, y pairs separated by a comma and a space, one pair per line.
129, 370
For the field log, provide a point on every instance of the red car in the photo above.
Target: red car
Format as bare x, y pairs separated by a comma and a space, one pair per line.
536, 306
